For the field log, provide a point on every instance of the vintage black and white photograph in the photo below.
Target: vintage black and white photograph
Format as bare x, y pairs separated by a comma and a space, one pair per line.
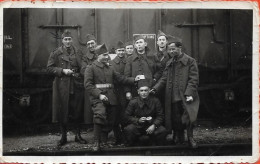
129, 81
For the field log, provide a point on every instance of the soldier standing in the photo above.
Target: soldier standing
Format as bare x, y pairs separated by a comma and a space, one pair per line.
129, 48
181, 78
142, 62
67, 95
118, 64
88, 56
161, 53
99, 81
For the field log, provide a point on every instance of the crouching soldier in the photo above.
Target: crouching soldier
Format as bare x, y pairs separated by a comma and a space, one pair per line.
67, 94
99, 82
180, 79
144, 115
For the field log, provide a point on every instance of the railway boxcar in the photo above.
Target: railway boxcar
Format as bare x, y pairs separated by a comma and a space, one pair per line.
220, 41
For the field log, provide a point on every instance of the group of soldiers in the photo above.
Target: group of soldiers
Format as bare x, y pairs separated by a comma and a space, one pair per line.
140, 95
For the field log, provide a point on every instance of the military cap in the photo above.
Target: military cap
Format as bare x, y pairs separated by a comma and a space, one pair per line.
120, 45
160, 33
144, 83
129, 42
90, 37
66, 33
102, 49
137, 37
176, 40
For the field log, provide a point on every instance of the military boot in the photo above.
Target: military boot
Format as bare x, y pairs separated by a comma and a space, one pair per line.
63, 139
181, 136
96, 146
78, 137
118, 135
191, 141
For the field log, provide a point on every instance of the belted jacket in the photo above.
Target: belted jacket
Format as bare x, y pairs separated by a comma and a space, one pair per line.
99, 73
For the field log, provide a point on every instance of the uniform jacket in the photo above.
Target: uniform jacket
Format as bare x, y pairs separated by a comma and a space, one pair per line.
164, 59
59, 59
87, 58
187, 77
146, 64
98, 73
138, 108
118, 65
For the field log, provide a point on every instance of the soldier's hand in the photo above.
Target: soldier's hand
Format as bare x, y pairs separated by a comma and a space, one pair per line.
189, 98
151, 129
103, 97
142, 120
67, 71
128, 96
153, 91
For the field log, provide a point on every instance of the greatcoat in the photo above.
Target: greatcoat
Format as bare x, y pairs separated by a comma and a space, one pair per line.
118, 64
146, 64
64, 85
185, 81
87, 58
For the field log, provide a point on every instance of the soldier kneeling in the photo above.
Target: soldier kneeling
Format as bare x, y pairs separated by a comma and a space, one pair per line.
144, 116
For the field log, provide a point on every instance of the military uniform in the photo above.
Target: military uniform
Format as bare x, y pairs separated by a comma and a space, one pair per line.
118, 64
137, 108
87, 58
146, 64
180, 79
100, 79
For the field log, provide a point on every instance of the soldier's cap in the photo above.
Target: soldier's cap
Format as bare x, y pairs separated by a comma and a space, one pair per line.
138, 37
66, 33
129, 42
101, 49
90, 37
176, 40
160, 33
120, 45
144, 83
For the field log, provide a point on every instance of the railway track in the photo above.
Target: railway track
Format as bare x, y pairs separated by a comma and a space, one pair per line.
234, 149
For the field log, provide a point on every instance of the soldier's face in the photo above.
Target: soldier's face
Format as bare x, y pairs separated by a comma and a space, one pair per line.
91, 45
173, 50
162, 41
120, 52
144, 92
103, 58
67, 41
129, 49
140, 45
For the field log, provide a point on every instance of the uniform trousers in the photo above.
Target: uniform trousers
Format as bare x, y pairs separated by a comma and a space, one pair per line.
133, 132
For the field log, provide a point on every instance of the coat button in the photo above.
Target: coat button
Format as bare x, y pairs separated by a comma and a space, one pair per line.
62, 63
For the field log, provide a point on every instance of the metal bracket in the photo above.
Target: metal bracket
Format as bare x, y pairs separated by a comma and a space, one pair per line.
197, 25
64, 27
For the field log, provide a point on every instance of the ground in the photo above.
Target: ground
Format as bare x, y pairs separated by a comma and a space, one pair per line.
48, 141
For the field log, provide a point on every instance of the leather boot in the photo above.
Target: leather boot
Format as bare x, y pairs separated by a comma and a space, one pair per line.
63, 139
97, 134
78, 137
191, 141
96, 146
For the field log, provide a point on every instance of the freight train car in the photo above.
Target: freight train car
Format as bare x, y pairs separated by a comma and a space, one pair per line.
220, 41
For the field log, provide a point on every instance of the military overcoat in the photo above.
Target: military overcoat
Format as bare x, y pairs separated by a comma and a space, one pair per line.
146, 64
59, 59
118, 64
87, 58
187, 77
